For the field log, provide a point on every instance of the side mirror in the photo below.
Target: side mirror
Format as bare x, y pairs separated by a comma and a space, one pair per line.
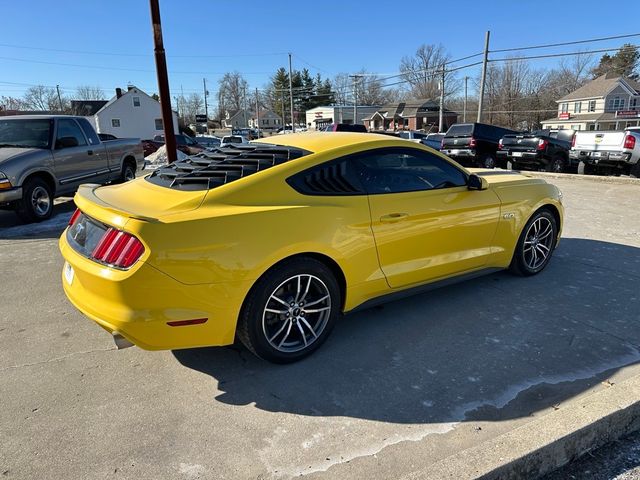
66, 142
475, 182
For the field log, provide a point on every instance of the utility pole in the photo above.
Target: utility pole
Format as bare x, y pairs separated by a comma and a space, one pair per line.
206, 108
163, 83
355, 97
257, 113
244, 104
291, 93
464, 110
483, 79
284, 114
441, 116
59, 97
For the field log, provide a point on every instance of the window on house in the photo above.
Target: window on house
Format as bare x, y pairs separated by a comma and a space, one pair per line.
592, 106
616, 103
592, 127
115, 122
136, 101
564, 108
633, 102
577, 107
159, 125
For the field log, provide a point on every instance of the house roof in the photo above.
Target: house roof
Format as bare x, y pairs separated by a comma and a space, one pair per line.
130, 89
87, 108
409, 109
588, 117
600, 86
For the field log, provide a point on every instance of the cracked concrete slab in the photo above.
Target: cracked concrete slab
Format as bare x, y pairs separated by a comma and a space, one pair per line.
394, 392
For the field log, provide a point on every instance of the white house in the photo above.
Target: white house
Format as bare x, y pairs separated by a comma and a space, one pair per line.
132, 113
268, 120
236, 119
319, 117
609, 102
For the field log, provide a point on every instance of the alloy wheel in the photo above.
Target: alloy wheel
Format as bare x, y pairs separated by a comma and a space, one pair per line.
538, 243
296, 313
40, 201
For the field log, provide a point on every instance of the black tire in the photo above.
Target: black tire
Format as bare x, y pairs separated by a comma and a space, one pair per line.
556, 165
37, 201
635, 170
488, 161
128, 172
521, 263
256, 325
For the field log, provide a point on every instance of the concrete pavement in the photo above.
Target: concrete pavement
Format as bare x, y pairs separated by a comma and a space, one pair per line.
394, 393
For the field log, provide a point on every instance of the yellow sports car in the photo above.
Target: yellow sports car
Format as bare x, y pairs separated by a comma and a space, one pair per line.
270, 242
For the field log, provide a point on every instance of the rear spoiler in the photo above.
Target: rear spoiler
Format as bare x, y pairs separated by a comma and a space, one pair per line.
85, 198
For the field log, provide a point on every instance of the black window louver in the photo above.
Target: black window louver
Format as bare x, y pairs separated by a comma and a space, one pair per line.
333, 179
210, 169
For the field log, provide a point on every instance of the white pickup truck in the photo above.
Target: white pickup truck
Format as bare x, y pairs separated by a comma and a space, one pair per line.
616, 152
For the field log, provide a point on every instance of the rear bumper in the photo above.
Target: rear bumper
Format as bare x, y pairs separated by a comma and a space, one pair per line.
600, 157
459, 152
521, 157
139, 303
12, 195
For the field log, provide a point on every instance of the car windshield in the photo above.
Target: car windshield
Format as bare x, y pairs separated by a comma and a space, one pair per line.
26, 133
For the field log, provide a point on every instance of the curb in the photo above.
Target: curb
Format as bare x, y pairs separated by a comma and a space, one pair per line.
584, 178
548, 443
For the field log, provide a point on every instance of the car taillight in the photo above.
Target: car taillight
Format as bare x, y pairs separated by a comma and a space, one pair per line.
472, 143
629, 142
573, 141
542, 144
74, 217
500, 145
118, 248
442, 144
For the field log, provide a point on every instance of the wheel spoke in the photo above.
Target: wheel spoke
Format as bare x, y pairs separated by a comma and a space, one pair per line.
286, 335
542, 245
306, 290
280, 300
298, 289
316, 302
284, 324
304, 337
279, 312
316, 310
313, 332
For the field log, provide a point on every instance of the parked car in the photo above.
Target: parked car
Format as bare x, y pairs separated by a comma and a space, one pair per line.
412, 135
184, 143
474, 144
542, 149
46, 156
273, 242
231, 140
285, 129
612, 152
433, 140
346, 127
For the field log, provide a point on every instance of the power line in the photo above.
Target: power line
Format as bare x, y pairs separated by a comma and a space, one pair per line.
552, 55
576, 42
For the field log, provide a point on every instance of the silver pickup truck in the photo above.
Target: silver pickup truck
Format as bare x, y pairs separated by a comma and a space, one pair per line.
47, 156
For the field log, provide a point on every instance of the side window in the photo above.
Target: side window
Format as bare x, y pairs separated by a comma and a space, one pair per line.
405, 170
189, 141
159, 125
180, 140
68, 128
89, 132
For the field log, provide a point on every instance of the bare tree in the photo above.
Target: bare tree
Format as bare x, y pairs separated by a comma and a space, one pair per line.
88, 92
11, 103
342, 87
40, 97
372, 91
232, 88
422, 72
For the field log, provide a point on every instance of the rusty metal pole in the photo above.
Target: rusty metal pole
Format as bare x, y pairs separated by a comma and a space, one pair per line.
163, 83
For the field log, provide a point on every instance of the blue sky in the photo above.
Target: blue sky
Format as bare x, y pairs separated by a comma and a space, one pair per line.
205, 38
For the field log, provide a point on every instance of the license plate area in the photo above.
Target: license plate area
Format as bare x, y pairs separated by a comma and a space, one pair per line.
68, 273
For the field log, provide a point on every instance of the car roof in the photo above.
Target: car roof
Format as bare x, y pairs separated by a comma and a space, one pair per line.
321, 141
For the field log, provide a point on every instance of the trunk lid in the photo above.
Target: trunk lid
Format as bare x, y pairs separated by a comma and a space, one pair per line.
137, 199
520, 142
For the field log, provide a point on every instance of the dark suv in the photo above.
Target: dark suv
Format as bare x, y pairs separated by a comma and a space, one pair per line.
474, 144
346, 127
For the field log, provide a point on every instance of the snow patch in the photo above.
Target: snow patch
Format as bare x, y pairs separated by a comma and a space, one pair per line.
55, 223
159, 158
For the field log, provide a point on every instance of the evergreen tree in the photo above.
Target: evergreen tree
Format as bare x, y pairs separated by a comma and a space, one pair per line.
623, 62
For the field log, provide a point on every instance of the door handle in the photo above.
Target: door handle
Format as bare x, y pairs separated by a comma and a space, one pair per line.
89, 152
394, 217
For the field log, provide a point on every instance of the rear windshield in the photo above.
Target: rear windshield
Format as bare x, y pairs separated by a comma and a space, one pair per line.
27, 133
461, 130
232, 140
